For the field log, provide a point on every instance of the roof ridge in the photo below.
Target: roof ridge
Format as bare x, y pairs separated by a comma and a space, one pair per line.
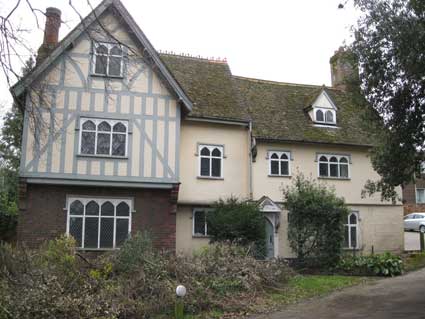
282, 83
193, 57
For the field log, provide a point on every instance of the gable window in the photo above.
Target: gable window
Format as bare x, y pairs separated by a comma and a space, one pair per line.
351, 230
279, 163
200, 223
99, 223
108, 59
324, 116
334, 166
103, 137
420, 195
211, 161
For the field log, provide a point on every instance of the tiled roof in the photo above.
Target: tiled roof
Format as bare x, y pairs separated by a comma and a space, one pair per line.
278, 110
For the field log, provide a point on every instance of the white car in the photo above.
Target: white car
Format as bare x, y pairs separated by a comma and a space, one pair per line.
415, 221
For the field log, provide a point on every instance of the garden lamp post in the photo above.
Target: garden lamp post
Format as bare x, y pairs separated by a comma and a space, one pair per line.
179, 310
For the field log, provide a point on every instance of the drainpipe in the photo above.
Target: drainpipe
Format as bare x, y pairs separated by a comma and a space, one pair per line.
250, 160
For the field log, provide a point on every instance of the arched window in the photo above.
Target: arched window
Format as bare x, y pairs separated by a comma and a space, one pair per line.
211, 161
99, 223
319, 116
334, 166
329, 117
108, 59
351, 231
279, 163
103, 137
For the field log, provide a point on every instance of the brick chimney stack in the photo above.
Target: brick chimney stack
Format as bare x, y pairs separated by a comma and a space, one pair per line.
344, 69
51, 33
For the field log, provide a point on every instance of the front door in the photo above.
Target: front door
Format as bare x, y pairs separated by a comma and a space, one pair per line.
269, 239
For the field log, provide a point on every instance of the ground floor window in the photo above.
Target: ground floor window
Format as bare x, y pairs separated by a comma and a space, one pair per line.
200, 223
99, 223
351, 231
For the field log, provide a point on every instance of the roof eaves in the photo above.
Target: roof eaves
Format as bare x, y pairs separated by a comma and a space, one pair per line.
300, 141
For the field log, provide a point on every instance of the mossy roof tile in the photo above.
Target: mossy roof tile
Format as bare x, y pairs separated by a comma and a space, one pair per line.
279, 111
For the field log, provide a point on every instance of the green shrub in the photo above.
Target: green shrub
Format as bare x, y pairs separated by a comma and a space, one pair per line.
315, 222
238, 222
385, 264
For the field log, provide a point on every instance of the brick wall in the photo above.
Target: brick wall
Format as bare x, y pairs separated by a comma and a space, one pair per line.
43, 217
409, 197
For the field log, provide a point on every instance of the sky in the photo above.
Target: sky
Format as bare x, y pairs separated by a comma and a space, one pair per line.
279, 40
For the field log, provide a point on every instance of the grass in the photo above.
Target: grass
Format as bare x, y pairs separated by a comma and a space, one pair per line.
414, 261
303, 287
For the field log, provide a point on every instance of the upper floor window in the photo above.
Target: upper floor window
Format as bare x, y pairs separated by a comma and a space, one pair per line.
351, 231
103, 137
336, 166
108, 59
99, 223
279, 163
420, 195
324, 116
211, 161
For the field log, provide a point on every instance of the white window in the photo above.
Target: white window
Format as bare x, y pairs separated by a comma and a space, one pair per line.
351, 231
210, 161
279, 163
108, 59
103, 137
99, 223
420, 195
324, 116
334, 166
200, 224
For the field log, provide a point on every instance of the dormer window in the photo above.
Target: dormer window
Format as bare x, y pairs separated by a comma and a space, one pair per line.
108, 59
324, 116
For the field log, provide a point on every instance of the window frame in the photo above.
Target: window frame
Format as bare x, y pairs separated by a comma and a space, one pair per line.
279, 154
206, 211
324, 111
416, 195
99, 201
210, 147
96, 122
109, 46
338, 157
356, 226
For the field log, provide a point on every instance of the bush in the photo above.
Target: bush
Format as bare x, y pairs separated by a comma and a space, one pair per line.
136, 281
315, 222
238, 222
386, 264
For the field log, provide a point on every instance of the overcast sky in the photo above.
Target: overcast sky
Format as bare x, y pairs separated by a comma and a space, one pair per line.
280, 40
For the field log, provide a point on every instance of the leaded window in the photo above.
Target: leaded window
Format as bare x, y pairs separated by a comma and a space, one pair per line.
200, 221
108, 59
99, 223
351, 231
103, 137
279, 163
210, 161
334, 166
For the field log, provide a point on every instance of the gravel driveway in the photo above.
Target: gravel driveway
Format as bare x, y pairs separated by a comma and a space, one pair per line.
399, 297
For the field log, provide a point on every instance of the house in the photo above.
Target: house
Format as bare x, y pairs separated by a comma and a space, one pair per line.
414, 194
119, 138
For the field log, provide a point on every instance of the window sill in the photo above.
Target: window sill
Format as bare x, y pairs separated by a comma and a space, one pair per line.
201, 236
103, 156
210, 177
284, 176
336, 178
118, 77
96, 249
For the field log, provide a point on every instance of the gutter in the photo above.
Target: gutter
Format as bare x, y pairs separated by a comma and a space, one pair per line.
280, 140
218, 120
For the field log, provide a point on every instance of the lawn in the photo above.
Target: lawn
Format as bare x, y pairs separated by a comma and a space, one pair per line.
299, 288
414, 261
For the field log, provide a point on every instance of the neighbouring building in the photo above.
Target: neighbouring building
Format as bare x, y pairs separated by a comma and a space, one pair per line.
119, 138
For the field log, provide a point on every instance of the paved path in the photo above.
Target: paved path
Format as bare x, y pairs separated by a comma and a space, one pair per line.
411, 240
399, 297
